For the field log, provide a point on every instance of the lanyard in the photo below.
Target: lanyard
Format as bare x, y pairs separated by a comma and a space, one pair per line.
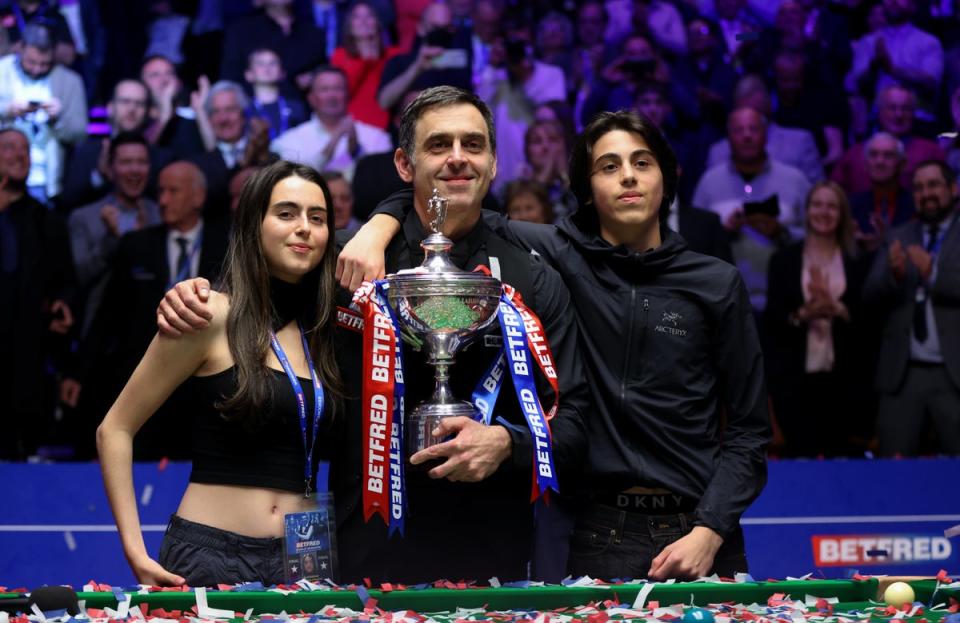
301, 401
285, 113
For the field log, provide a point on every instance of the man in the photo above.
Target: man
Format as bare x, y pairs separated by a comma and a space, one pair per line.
481, 486
440, 55
914, 278
896, 107
886, 204
758, 199
96, 229
702, 230
669, 344
147, 261
342, 196
237, 142
264, 75
87, 178
36, 281
171, 121
332, 139
47, 103
899, 54
791, 146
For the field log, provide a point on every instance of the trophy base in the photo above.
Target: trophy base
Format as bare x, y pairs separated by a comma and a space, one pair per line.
426, 417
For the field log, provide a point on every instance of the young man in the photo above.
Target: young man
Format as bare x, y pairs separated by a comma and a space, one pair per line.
469, 516
264, 75
669, 343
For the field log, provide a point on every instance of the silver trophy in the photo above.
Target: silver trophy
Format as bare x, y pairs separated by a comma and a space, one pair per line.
444, 308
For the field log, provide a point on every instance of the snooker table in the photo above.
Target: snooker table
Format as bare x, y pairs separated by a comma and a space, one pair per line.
771, 601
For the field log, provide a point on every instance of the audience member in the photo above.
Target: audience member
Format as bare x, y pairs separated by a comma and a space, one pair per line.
758, 198
886, 204
96, 229
899, 53
237, 142
513, 92
713, 76
331, 139
440, 56
265, 76
554, 42
793, 146
813, 305
47, 103
18, 14
547, 154
662, 22
172, 122
953, 142
362, 58
300, 44
895, 115
487, 25
914, 278
342, 196
36, 283
528, 200
147, 262
87, 176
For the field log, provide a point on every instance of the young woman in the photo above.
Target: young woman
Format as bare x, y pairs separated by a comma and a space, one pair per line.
813, 296
362, 58
262, 380
547, 153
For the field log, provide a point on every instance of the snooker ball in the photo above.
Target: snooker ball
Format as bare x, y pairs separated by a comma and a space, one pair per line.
697, 615
898, 594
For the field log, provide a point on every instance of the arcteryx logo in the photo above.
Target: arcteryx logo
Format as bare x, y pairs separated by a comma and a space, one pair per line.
878, 549
673, 319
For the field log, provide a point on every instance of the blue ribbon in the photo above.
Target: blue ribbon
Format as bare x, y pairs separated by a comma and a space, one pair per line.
520, 361
484, 397
301, 401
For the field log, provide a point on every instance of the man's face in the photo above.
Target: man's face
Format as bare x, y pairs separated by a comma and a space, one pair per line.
591, 24
36, 63
747, 135
898, 11
226, 117
437, 16
265, 68
180, 197
342, 197
526, 207
932, 194
895, 111
789, 75
638, 49
14, 157
486, 21
128, 108
158, 75
130, 169
626, 181
654, 106
328, 95
883, 160
452, 153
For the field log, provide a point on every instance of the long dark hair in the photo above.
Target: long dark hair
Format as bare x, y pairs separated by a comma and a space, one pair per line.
247, 281
581, 160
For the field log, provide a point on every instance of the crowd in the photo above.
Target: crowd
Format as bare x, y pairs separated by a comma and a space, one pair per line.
816, 145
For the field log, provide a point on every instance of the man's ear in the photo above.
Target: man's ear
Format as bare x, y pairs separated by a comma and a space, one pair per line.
403, 164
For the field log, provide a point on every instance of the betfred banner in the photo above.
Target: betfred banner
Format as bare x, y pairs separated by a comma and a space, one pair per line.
864, 550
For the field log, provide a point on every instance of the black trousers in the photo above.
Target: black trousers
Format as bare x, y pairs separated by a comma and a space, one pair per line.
926, 395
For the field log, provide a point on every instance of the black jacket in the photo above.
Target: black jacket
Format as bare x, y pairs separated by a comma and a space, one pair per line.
461, 530
669, 345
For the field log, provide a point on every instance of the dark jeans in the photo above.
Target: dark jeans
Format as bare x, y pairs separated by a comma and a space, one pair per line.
609, 543
207, 556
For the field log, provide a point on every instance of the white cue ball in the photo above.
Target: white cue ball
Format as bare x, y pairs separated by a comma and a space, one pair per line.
898, 594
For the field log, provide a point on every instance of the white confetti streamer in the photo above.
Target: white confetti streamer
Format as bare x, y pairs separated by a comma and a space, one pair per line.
147, 495
71, 542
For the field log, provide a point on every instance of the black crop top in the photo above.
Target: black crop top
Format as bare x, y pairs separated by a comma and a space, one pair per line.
227, 453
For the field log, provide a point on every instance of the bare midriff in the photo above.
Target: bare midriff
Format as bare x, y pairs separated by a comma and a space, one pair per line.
249, 511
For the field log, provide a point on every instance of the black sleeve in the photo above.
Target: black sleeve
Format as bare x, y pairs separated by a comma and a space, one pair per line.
78, 190
62, 276
741, 471
554, 307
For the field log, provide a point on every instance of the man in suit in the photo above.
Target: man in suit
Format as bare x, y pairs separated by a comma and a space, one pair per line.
147, 262
36, 280
914, 276
236, 141
886, 204
87, 178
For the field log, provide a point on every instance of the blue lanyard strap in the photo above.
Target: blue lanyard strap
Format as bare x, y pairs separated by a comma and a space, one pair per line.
301, 401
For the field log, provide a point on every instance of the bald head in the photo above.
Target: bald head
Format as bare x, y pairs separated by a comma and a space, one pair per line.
182, 192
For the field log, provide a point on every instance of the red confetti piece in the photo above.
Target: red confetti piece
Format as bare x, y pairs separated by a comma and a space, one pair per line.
942, 577
600, 617
653, 605
367, 582
162, 465
386, 587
